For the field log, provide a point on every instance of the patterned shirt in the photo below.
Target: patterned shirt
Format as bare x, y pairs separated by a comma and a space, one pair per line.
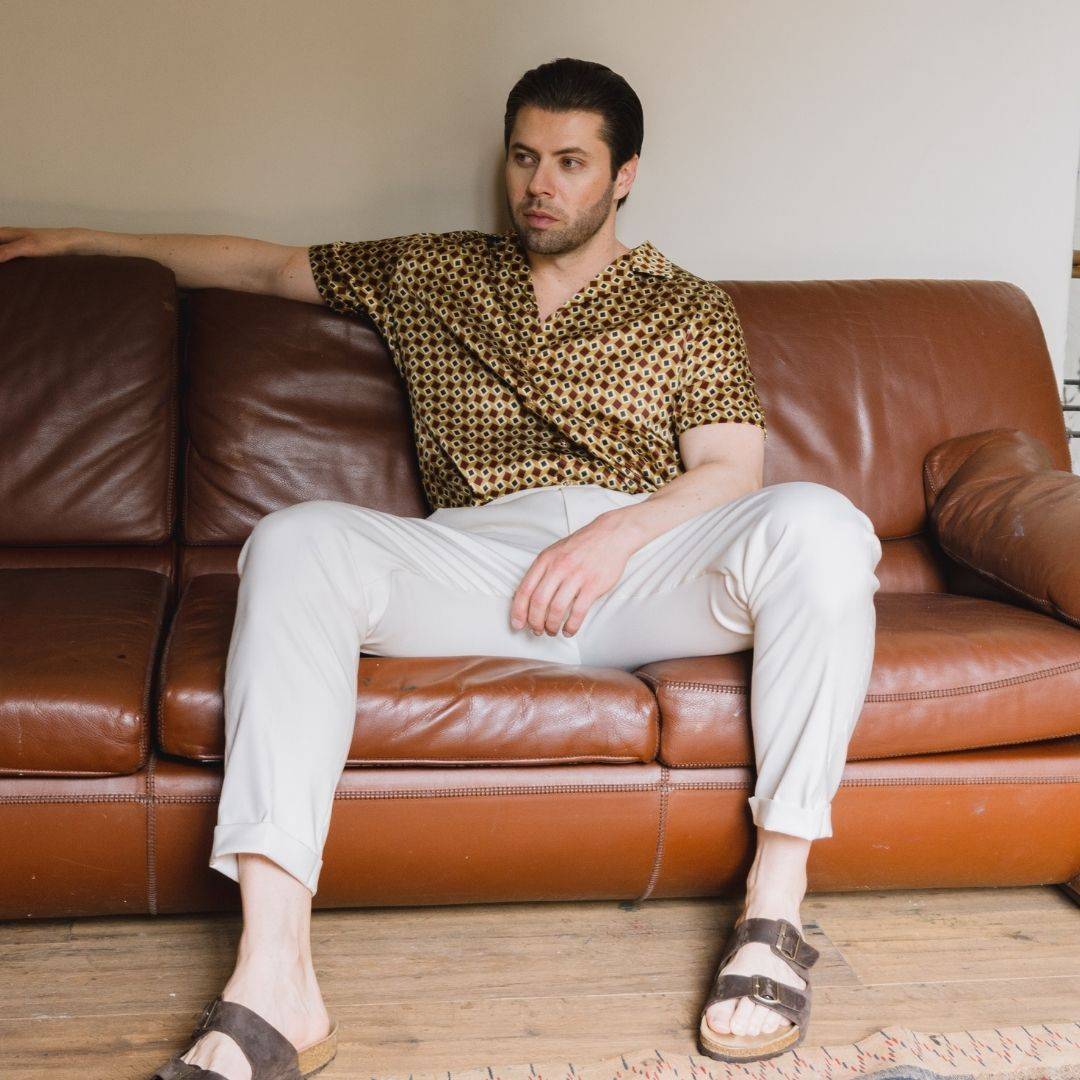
596, 394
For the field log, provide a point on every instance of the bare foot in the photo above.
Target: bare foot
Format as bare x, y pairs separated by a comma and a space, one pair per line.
743, 1015
289, 999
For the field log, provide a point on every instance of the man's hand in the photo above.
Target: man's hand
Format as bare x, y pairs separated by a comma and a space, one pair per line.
198, 262
568, 576
19, 241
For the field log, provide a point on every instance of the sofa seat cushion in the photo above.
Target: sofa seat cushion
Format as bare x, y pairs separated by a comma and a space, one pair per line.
440, 710
78, 653
950, 673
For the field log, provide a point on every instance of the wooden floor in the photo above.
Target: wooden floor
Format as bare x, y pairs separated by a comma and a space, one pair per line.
455, 987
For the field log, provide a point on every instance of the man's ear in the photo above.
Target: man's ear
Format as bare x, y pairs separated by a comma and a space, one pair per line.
626, 174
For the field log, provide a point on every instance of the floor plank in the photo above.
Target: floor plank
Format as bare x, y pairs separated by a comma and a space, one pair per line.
455, 987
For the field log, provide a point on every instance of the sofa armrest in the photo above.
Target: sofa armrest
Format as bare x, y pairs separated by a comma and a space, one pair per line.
998, 507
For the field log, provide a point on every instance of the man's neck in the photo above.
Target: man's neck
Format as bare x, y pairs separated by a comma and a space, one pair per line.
579, 265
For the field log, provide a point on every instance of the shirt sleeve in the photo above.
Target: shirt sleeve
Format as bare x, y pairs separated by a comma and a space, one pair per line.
358, 276
716, 384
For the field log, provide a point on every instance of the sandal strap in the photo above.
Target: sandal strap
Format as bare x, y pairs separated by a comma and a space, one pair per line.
175, 1069
271, 1055
788, 1001
782, 937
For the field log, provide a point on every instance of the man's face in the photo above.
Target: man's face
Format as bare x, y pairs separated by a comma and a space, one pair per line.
558, 165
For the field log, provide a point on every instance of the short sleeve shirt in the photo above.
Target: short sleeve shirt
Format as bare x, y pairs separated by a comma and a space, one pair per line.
596, 394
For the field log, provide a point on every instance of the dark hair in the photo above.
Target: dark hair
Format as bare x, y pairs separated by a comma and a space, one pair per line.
565, 84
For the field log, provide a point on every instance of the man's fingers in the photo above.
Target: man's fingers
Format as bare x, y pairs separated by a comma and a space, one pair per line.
578, 612
560, 604
519, 606
538, 606
546, 593
17, 242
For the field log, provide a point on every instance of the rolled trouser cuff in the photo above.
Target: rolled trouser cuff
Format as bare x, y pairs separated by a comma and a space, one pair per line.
264, 838
810, 823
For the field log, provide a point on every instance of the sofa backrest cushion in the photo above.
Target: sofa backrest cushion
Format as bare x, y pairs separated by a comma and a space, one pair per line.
88, 401
860, 379
286, 401
282, 401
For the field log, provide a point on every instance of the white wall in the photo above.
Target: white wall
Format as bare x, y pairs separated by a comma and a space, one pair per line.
1072, 343
783, 139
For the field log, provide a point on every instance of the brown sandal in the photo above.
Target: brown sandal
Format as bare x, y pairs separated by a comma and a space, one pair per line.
270, 1053
784, 939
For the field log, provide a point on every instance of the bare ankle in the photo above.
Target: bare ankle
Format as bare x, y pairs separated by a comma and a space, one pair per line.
781, 901
290, 956
266, 968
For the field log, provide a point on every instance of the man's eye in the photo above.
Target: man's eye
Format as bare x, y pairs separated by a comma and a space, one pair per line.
521, 156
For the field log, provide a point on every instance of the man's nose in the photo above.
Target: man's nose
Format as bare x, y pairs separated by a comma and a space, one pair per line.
540, 182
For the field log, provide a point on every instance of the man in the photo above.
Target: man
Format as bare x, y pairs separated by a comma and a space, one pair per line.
591, 440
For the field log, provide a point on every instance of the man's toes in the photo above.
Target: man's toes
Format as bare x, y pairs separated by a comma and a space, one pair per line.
766, 1021
750, 1018
738, 1017
743, 1016
741, 1019
773, 1020
719, 1017
758, 1021
219, 1053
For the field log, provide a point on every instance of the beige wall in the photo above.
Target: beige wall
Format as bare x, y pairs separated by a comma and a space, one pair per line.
1072, 342
839, 138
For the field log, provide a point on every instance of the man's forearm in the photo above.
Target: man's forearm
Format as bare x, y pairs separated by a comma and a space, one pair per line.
710, 484
227, 262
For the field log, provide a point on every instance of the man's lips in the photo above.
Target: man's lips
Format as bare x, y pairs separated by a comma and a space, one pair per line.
539, 218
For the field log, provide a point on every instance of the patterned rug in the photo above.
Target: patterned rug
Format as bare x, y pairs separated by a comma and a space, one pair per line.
1031, 1052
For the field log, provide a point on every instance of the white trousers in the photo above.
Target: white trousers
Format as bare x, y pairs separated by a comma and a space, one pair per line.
787, 570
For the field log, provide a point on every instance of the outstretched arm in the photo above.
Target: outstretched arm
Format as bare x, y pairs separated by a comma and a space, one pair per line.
218, 261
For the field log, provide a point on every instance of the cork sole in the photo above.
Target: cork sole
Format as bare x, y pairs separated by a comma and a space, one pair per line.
317, 1056
746, 1047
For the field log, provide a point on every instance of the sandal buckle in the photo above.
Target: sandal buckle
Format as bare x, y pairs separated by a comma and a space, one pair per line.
781, 937
207, 1015
765, 990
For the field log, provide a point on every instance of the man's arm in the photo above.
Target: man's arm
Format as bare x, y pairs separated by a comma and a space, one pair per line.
718, 422
225, 262
723, 463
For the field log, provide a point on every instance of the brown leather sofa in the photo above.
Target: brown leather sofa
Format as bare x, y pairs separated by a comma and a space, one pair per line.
146, 429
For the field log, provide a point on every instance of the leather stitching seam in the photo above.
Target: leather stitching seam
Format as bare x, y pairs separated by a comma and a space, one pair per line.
661, 834
434, 793
916, 695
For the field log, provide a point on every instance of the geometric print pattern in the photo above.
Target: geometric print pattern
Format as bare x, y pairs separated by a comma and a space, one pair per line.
596, 394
